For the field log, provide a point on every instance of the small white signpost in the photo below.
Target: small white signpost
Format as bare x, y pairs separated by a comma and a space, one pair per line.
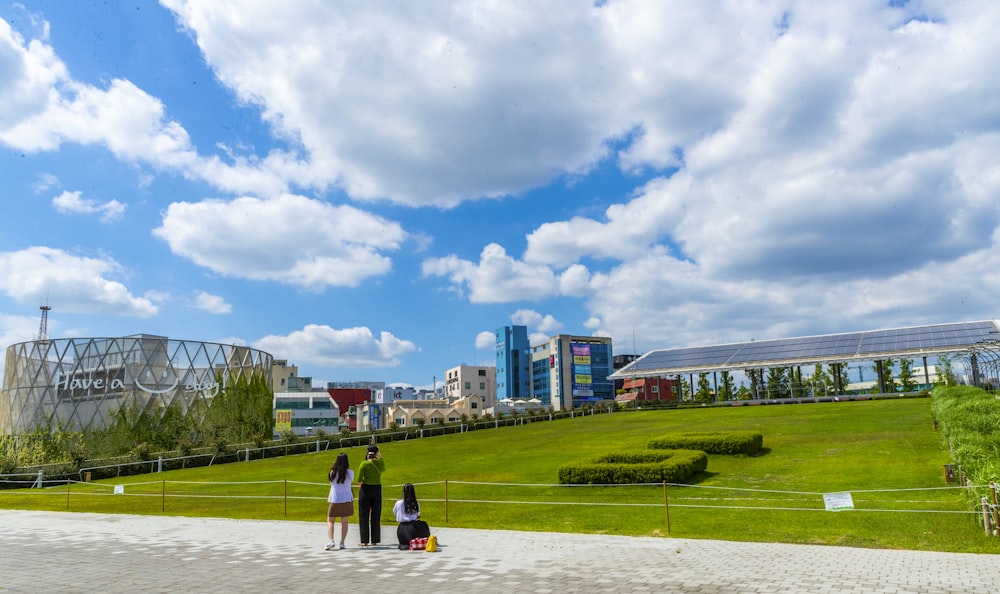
838, 501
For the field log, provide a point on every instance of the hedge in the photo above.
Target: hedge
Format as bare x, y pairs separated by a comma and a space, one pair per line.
640, 466
729, 443
970, 425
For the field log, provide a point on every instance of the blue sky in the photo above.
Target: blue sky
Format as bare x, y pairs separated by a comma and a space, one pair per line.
370, 189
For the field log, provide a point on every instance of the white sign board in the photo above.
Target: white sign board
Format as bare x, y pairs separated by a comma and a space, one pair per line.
838, 501
119, 489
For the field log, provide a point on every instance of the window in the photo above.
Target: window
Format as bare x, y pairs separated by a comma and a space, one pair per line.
656, 389
468, 385
401, 421
475, 404
482, 372
482, 385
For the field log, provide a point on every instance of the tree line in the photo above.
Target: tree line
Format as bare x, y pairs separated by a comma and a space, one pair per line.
789, 382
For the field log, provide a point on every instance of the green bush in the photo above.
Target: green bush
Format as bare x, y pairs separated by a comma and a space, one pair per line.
969, 420
639, 466
142, 452
729, 443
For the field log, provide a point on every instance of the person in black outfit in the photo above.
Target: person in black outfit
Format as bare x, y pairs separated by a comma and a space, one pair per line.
370, 496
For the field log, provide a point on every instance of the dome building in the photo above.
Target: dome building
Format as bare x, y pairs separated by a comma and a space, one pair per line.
81, 384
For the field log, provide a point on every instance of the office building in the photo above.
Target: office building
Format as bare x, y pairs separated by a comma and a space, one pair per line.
466, 380
513, 370
572, 371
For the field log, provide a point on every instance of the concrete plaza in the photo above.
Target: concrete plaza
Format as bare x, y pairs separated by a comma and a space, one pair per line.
81, 552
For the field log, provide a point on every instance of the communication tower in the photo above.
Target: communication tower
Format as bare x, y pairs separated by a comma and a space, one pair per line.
43, 326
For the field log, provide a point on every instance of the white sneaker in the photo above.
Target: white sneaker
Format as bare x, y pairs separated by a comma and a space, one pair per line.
332, 545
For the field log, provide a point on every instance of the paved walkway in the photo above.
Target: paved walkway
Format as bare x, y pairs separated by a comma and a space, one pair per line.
79, 552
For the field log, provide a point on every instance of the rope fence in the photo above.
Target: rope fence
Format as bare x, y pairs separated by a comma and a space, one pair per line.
466, 493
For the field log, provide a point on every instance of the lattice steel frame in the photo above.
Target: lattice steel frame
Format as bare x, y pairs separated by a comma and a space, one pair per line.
79, 384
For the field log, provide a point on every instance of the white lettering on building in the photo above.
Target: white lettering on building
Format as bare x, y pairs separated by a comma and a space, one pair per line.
91, 383
65, 382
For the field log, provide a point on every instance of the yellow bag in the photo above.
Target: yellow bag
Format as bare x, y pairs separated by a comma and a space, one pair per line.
432, 543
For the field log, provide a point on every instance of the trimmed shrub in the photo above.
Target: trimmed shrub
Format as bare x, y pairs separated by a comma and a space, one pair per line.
728, 443
639, 466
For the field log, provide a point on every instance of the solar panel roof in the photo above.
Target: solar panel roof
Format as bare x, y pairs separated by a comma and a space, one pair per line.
830, 348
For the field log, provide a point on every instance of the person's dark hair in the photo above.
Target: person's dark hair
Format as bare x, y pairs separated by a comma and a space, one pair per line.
338, 472
410, 504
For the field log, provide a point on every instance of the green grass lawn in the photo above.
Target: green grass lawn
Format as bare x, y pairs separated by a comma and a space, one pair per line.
885, 452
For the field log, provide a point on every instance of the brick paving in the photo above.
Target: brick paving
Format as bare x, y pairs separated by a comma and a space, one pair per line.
80, 552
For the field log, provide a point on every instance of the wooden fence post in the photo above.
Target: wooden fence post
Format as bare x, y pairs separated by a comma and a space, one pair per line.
666, 506
995, 508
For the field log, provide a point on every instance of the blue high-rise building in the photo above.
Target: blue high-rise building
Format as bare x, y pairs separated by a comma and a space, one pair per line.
513, 363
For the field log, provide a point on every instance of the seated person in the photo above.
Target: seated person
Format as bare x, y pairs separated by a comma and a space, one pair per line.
407, 512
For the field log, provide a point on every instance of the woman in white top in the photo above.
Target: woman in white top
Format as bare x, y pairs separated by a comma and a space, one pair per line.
341, 499
407, 512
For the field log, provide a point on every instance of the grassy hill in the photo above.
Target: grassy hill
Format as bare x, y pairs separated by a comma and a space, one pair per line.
886, 453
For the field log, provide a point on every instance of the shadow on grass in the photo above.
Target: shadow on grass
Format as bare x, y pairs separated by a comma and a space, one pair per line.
701, 477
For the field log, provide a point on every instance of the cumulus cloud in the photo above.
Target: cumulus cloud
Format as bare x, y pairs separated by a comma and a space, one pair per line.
853, 155
486, 340
542, 323
676, 305
348, 347
71, 202
288, 239
74, 284
15, 329
447, 102
43, 107
500, 278
212, 303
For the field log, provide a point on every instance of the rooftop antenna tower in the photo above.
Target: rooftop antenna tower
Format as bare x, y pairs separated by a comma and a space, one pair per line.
43, 325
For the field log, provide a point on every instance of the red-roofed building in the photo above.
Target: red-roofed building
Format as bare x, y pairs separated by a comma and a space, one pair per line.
644, 389
349, 400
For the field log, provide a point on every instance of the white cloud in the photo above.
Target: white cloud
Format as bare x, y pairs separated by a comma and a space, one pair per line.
424, 104
212, 303
43, 107
70, 202
349, 347
16, 329
678, 305
45, 182
486, 340
497, 278
30, 71
840, 172
529, 317
73, 284
537, 338
288, 239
